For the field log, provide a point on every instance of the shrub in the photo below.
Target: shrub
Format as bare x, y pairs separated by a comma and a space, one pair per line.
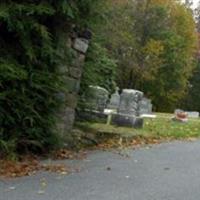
30, 53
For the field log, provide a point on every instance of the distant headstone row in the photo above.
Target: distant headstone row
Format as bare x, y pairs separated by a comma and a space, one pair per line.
189, 114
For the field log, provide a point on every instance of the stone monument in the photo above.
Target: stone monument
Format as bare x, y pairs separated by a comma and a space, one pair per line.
96, 98
128, 111
193, 114
129, 102
145, 106
94, 102
114, 100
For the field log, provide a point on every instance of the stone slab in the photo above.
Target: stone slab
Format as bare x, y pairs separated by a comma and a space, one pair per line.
91, 116
152, 116
71, 100
96, 98
72, 84
145, 106
127, 120
192, 114
81, 45
114, 101
65, 121
75, 72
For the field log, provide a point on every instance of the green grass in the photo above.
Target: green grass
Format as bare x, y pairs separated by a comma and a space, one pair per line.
160, 127
165, 127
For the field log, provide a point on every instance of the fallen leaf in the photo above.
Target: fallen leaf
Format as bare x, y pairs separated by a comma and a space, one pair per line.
41, 192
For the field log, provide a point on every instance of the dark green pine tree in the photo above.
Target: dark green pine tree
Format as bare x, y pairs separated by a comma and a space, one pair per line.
30, 32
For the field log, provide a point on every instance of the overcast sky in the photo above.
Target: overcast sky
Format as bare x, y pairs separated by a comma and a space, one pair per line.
195, 3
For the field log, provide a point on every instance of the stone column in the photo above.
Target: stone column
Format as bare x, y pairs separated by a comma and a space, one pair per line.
72, 78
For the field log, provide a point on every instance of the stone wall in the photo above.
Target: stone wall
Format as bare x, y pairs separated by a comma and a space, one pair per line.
72, 77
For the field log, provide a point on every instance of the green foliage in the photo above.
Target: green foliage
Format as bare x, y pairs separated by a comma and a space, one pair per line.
192, 98
162, 127
30, 54
178, 60
99, 69
153, 42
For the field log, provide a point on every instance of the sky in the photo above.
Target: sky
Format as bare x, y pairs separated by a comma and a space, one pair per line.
195, 3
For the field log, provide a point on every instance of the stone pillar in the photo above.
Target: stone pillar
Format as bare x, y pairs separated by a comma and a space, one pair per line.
72, 77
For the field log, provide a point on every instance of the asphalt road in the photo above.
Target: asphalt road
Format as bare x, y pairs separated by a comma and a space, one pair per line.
164, 172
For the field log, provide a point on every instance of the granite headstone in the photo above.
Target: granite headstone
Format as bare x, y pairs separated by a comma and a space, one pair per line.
129, 102
145, 106
114, 100
96, 98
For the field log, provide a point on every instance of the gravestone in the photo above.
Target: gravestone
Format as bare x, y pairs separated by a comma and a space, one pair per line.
145, 106
96, 98
114, 100
128, 111
127, 120
178, 111
192, 114
129, 102
180, 116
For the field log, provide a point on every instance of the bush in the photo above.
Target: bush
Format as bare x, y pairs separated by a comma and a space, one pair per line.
30, 53
99, 69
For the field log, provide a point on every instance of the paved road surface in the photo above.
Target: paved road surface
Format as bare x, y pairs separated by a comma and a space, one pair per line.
164, 172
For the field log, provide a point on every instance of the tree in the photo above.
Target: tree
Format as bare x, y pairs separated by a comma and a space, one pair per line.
192, 99
153, 42
100, 67
191, 102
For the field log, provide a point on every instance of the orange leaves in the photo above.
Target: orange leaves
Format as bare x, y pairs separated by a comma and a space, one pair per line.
18, 169
29, 166
132, 142
67, 154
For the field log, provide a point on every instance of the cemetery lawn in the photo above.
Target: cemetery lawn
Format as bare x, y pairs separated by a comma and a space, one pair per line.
161, 128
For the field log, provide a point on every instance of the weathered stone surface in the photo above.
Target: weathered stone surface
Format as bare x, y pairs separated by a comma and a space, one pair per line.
127, 120
91, 116
81, 45
78, 61
145, 106
192, 114
96, 98
71, 100
72, 84
65, 121
75, 72
129, 102
178, 111
71, 76
114, 100
69, 118
63, 69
